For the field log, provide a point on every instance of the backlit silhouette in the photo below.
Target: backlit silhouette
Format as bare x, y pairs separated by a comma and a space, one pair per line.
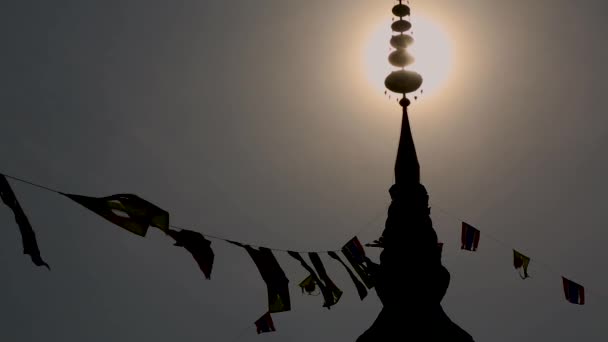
410, 280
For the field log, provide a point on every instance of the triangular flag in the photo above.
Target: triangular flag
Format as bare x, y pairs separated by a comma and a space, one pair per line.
574, 292
361, 290
521, 261
127, 211
28, 237
198, 246
265, 324
469, 237
333, 293
355, 254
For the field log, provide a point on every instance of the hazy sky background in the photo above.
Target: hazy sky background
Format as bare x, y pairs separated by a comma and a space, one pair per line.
254, 120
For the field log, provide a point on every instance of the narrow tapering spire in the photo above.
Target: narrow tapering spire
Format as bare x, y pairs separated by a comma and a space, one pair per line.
407, 168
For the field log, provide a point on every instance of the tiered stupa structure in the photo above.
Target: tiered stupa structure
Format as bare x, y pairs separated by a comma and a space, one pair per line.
410, 280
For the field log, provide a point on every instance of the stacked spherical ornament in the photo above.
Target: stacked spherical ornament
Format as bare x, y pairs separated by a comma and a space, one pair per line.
402, 81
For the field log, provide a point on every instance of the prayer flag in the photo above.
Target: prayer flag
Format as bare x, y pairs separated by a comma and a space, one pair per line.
355, 254
28, 237
333, 293
361, 290
198, 246
273, 275
470, 237
325, 291
521, 261
265, 324
355, 250
127, 211
574, 292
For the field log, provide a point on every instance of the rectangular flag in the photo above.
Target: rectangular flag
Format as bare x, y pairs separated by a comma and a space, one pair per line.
469, 237
574, 292
277, 283
361, 290
355, 254
198, 246
127, 211
265, 324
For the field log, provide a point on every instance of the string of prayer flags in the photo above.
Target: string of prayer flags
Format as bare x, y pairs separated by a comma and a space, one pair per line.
198, 246
470, 237
333, 293
137, 215
28, 237
574, 292
521, 262
265, 324
361, 290
355, 254
127, 211
273, 275
309, 285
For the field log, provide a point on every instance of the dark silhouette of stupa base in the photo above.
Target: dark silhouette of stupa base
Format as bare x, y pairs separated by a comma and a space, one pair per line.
410, 280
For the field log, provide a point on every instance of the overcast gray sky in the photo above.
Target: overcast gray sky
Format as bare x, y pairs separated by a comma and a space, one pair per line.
254, 120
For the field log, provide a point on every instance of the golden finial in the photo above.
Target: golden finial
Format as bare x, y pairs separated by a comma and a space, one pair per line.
402, 81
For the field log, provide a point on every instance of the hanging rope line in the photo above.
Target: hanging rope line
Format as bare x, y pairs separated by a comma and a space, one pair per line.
506, 245
31, 183
368, 225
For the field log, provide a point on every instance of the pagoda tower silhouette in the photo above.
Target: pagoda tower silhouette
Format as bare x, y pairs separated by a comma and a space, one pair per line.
410, 279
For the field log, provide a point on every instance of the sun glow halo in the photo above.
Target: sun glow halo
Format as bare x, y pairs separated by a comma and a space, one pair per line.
432, 51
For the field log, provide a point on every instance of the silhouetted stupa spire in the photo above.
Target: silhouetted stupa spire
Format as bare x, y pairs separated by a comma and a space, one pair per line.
410, 280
